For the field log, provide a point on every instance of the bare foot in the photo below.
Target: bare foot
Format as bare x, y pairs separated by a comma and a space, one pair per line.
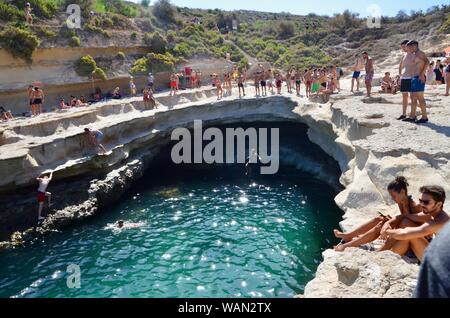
339, 248
338, 234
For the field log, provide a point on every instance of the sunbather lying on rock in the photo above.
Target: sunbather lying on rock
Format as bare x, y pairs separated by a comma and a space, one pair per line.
369, 232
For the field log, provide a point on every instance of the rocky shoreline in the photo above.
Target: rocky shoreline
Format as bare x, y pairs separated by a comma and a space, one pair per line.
362, 134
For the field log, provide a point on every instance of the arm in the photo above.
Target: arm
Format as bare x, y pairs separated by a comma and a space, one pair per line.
389, 225
400, 68
411, 233
51, 176
426, 61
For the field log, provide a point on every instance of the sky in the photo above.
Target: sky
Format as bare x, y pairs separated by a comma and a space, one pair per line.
302, 7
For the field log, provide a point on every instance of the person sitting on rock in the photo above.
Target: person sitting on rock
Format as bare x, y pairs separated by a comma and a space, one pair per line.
369, 232
5, 114
386, 83
94, 138
42, 193
409, 235
116, 93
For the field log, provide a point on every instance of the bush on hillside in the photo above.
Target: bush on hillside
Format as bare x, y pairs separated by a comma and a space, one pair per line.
20, 43
98, 73
156, 41
133, 36
41, 8
75, 41
164, 10
120, 55
10, 13
446, 26
155, 63
285, 30
85, 66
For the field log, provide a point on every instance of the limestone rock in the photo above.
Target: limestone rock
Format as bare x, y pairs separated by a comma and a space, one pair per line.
358, 273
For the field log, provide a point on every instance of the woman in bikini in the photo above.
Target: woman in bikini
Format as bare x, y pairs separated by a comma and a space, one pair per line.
173, 84
369, 232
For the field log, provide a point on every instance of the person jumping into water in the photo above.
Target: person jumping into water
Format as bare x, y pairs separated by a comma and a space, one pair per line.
42, 193
94, 137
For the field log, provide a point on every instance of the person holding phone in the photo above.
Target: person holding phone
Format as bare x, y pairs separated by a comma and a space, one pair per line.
369, 232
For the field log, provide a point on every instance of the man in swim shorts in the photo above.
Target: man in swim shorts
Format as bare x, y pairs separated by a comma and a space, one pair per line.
356, 73
421, 64
42, 193
406, 70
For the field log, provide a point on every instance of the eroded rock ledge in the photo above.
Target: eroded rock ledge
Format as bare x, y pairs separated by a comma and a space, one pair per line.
370, 146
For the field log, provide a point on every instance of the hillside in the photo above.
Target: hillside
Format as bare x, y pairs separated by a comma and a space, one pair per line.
126, 38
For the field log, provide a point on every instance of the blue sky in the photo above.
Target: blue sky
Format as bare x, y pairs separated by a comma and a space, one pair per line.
328, 7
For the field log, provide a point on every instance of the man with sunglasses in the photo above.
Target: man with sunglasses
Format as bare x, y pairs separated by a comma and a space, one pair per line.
432, 220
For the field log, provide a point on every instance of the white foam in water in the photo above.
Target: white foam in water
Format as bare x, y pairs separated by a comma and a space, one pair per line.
243, 200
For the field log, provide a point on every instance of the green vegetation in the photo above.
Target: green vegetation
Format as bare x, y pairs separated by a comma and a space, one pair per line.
19, 42
87, 67
156, 41
75, 41
120, 55
446, 26
133, 36
9, 13
154, 62
164, 10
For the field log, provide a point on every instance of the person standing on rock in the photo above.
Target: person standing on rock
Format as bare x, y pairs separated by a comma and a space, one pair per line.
421, 64
406, 70
370, 72
132, 87
38, 100
417, 238
28, 16
94, 138
356, 73
433, 277
42, 193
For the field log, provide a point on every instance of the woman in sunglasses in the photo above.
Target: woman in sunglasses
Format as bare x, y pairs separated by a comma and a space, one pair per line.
410, 235
369, 232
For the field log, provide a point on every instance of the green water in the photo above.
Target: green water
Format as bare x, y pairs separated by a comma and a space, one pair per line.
202, 232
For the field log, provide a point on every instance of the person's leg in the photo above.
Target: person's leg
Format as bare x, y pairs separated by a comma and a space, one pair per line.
357, 85
447, 88
368, 237
41, 206
405, 103
400, 247
419, 246
358, 231
49, 197
413, 114
422, 104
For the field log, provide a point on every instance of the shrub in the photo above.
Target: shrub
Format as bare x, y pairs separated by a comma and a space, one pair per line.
93, 28
120, 55
133, 36
20, 43
98, 73
41, 8
75, 41
285, 30
164, 10
45, 31
155, 63
10, 13
446, 26
66, 32
157, 42
85, 66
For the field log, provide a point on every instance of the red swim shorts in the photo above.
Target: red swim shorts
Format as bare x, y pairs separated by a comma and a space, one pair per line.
40, 197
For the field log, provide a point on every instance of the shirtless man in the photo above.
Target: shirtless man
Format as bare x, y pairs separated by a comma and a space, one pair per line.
421, 64
257, 84
240, 83
263, 83
298, 81
370, 72
308, 81
447, 79
433, 219
42, 193
288, 81
94, 137
270, 81
356, 73
38, 99
407, 64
